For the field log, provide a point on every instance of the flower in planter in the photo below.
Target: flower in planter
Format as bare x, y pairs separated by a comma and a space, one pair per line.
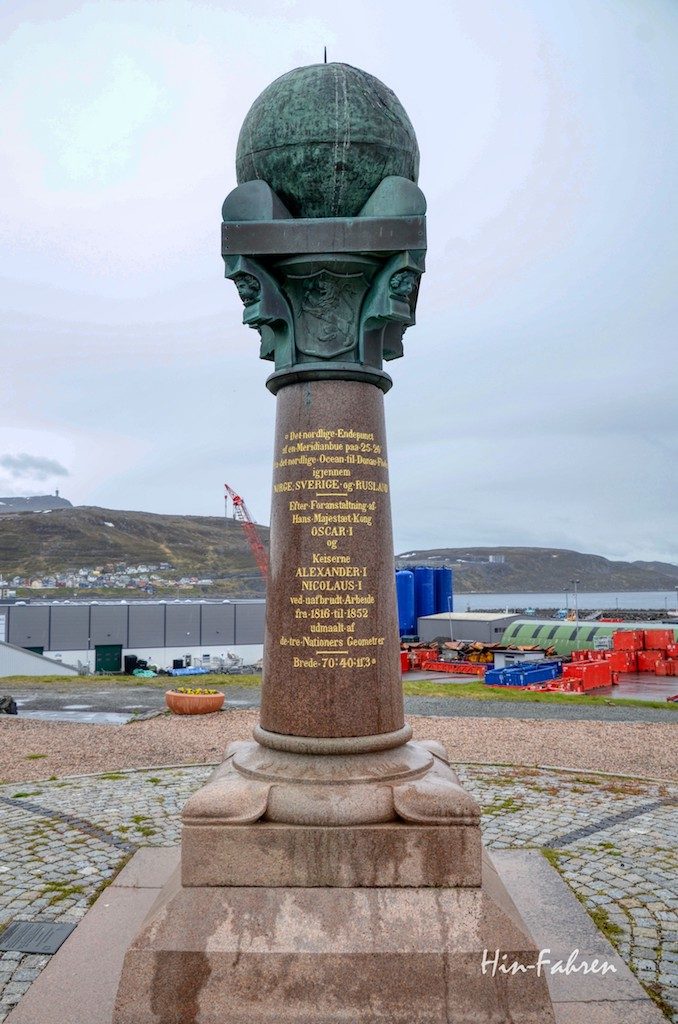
194, 700
194, 690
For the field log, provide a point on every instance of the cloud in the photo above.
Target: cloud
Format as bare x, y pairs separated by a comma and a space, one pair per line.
32, 467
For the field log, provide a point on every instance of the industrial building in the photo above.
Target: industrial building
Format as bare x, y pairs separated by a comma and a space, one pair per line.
486, 627
566, 637
517, 631
97, 636
16, 661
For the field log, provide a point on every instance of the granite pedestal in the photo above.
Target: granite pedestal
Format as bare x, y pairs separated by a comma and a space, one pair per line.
79, 984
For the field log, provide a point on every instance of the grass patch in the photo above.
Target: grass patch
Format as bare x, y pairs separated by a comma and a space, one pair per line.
18, 796
154, 780
554, 857
421, 688
603, 922
508, 805
478, 691
105, 882
35, 757
61, 891
624, 788
217, 679
655, 993
113, 776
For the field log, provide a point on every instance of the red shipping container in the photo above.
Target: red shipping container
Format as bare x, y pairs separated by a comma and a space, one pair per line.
404, 661
647, 660
600, 673
623, 661
658, 639
455, 668
422, 654
671, 667
672, 651
628, 640
592, 675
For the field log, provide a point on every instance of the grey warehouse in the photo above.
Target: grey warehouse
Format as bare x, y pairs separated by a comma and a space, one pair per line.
97, 636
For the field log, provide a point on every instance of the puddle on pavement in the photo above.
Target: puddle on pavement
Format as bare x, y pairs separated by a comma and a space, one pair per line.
83, 717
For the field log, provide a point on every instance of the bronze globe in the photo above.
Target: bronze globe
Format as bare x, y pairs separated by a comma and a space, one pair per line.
323, 137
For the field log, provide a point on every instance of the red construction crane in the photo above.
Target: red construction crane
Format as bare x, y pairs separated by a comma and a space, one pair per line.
241, 513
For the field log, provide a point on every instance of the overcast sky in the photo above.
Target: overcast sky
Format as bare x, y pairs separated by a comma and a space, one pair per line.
536, 403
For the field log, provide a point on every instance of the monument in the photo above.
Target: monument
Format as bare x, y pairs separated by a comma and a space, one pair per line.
331, 869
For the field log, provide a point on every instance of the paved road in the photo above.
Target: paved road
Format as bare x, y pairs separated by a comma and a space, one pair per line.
464, 708
612, 841
120, 703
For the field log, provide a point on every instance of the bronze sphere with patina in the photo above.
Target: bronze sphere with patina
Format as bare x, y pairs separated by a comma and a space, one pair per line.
323, 137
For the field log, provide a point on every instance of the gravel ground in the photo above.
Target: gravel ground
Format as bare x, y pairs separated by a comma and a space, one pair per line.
31, 749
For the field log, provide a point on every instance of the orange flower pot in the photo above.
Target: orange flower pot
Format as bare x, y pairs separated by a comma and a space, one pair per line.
193, 703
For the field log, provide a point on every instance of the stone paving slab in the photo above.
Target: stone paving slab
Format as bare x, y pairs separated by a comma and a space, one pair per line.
613, 841
79, 985
560, 927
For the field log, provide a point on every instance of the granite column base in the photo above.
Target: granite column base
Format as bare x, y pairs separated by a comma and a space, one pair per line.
286, 955
331, 889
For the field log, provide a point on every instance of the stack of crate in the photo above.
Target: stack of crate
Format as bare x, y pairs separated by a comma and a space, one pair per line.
636, 650
643, 650
661, 653
589, 675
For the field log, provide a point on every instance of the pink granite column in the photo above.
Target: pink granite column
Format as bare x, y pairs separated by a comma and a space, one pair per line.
331, 658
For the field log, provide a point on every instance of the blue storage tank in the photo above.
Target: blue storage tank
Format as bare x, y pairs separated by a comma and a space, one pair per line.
407, 621
424, 591
443, 586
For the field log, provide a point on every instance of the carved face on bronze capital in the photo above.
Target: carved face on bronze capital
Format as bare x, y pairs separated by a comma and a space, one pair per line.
248, 287
403, 283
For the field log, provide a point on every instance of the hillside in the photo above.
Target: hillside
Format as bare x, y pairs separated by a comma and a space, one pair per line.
526, 570
33, 544
74, 538
34, 503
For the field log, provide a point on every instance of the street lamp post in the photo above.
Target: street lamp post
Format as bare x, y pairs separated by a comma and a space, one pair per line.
575, 584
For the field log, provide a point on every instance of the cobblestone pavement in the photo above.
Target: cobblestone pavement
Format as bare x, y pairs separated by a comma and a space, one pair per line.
126, 702
612, 839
